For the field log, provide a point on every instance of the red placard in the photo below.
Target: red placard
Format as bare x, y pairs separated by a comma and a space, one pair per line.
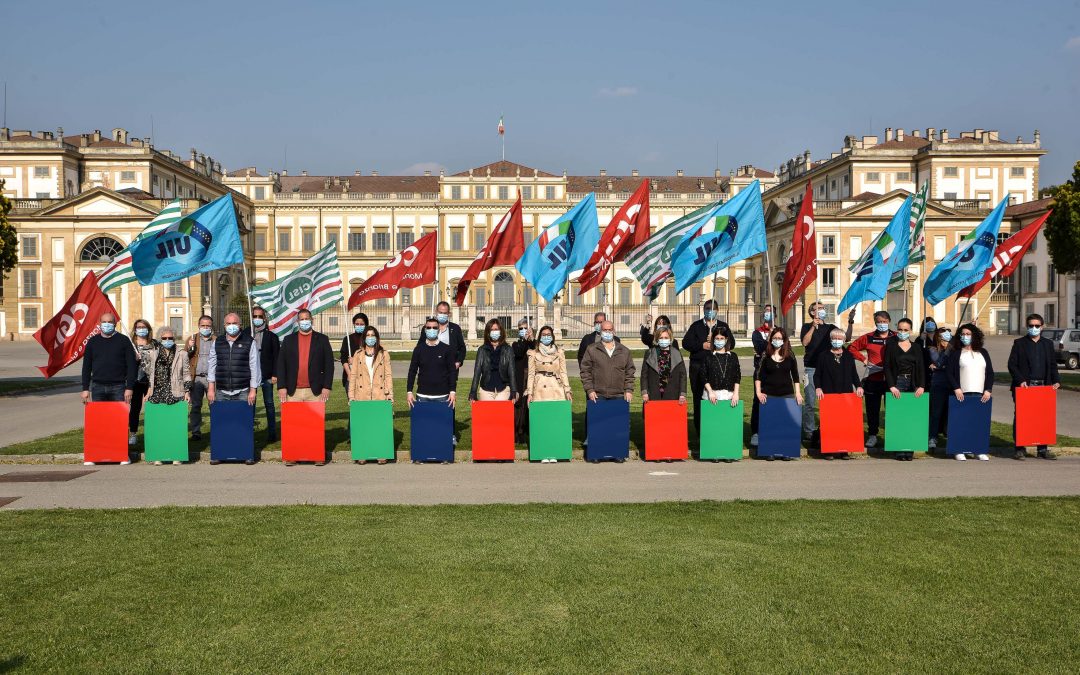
1036, 416
841, 423
105, 432
303, 431
493, 430
665, 430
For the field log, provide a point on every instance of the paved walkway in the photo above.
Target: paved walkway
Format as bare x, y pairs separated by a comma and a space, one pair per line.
142, 485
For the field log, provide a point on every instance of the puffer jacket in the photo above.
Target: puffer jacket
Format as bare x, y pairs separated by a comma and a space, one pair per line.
483, 362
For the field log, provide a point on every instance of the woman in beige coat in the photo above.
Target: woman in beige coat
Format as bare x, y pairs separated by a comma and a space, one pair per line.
370, 377
547, 380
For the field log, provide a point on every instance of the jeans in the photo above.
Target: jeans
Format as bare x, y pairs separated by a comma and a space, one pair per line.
809, 424
939, 410
873, 393
197, 393
101, 391
269, 392
238, 396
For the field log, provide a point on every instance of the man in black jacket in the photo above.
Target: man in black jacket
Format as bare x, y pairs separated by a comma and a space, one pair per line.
594, 336
305, 364
269, 345
521, 347
109, 365
432, 369
1032, 363
449, 334
698, 342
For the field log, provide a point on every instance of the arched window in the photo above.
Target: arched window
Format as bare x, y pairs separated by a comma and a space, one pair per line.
504, 289
100, 250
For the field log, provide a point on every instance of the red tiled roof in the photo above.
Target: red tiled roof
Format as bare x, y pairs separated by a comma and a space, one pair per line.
1027, 208
506, 169
242, 173
136, 193
630, 183
865, 196
372, 184
76, 140
762, 173
909, 143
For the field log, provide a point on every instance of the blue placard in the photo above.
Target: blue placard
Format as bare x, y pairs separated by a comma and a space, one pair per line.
969, 425
780, 428
232, 431
608, 429
432, 432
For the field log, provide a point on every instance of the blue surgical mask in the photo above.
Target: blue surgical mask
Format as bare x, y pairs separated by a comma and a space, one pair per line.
1033, 331
777, 344
141, 332
664, 343
107, 328
371, 341
768, 316
596, 327
496, 334
930, 326
720, 343
882, 327
965, 340
903, 335
710, 314
821, 314
168, 343
359, 328
206, 332
305, 325
522, 332
836, 344
607, 336
431, 333
258, 322
442, 318
232, 329
546, 340
947, 336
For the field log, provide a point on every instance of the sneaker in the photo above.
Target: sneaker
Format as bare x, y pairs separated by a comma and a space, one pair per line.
960, 457
843, 455
754, 440
249, 462
196, 436
125, 463
132, 440
290, 463
89, 464
1020, 455
455, 441
932, 443
215, 462
983, 457
159, 463
871, 442
177, 463
1047, 455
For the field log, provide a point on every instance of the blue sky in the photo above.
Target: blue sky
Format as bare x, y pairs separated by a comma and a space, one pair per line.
654, 86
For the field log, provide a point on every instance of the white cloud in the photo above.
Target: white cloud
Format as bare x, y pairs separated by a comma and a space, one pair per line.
618, 91
1073, 44
420, 167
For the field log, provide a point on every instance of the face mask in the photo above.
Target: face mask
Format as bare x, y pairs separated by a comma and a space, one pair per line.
1033, 331
546, 340
168, 343
522, 332
777, 344
821, 314
205, 332
662, 326
141, 332
903, 335
431, 333
837, 344
596, 327
947, 336
305, 325
107, 328
931, 326
258, 322
720, 343
664, 343
371, 341
710, 314
442, 318
882, 327
360, 328
965, 340
768, 316
496, 334
607, 336
232, 329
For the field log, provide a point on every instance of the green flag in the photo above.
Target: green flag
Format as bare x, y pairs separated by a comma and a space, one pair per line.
650, 263
119, 271
314, 286
917, 248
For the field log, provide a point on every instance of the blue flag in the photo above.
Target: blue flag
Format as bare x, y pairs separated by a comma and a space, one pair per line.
967, 261
726, 234
562, 247
206, 239
890, 253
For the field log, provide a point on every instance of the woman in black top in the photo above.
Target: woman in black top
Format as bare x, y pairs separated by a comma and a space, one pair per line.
777, 374
663, 373
493, 373
835, 373
722, 373
662, 321
937, 357
350, 344
904, 368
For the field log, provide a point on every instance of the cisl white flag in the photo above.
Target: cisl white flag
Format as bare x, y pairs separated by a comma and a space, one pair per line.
412, 267
313, 286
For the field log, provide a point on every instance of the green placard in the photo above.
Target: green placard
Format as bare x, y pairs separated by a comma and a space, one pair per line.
550, 433
721, 431
907, 422
372, 429
165, 429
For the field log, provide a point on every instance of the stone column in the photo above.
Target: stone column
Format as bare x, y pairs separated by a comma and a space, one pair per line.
405, 323
800, 315
751, 320
470, 319
556, 319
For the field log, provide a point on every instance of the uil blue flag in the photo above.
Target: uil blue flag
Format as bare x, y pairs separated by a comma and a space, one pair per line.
725, 234
889, 254
967, 261
562, 247
206, 239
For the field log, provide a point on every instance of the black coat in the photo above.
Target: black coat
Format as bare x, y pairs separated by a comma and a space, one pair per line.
320, 363
1020, 361
457, 342
271, 345
647, 338
483, 363
952, 370
697, 335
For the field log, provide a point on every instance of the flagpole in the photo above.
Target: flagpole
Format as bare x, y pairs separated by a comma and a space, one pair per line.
768, 281
995, 289
247, 292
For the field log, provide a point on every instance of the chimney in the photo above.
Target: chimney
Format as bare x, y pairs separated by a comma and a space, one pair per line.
806, 159
717, 175
356, 173
700, 184
931, 134
96, 136
653, 184
986, 138
994, 135
1036, 138
678, 172
944, 135
120, 135
603, 172
899, 134
634, 173
303, 172
374, 173
284, 172
427, 172
5, 134
610, 185
888, 134
916, 133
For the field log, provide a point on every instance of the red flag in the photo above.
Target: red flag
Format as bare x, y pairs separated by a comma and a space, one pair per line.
504, 247
415, 266
801, 269
1008, 254
66, 334
629, 228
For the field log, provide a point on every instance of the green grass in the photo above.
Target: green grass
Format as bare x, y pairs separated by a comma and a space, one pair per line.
18, 385
1069, 381
947, 585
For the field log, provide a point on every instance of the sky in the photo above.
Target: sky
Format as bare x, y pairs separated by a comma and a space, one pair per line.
333, 87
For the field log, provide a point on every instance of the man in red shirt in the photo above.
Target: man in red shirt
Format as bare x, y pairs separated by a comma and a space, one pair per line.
305, 365
870, 350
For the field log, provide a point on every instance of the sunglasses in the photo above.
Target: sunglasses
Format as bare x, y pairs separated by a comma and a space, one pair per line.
1034, 325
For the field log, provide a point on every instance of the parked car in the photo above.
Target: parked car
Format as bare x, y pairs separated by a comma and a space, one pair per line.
1067, 345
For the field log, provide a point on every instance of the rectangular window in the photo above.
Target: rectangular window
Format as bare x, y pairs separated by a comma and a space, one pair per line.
479, 237
455, 192
429, 296
260, 241
504, 192
404, 240
903, 176
127, 176
526, 192
41, 172
939, 248
478, 192
828, 244
481, 296
260, 192
1031, 277
357, 241
828, 281
1016, 172
332, 236
1050, 314
832, 184
308, 240
42, 195
380, 241
952, 172
950, 196
29, 284
549, 192
1051, 278
529, 236
457, 240
284, 241
624, 294
873, 177
29, 246
30, 317
406, 296
821, 190
175, 289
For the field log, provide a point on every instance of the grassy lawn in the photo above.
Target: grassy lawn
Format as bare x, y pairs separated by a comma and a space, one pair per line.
18, 385
952, 585
1069, 380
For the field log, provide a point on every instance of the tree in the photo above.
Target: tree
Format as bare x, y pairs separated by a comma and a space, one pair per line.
9, 252
1062, 228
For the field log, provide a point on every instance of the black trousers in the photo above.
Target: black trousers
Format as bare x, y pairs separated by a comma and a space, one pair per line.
197, 392
873, 394
939, 411
1042, 448
697, 388
521, 419
137, 393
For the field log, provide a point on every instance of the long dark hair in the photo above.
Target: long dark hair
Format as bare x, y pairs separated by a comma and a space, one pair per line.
785, 349
976, 337
487, 332
667, 322
723, 329
378, 339
149, 331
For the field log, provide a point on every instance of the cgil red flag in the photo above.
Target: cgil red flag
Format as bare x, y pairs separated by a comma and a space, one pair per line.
505, 246
65, 335
801, 269
1007, 256
412, 267
628, 229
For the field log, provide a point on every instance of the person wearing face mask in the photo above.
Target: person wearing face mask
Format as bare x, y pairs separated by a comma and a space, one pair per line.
904, 369
350, 344
970, 373
109, 366
835, 373
1032, 363
873, 346
143, 339
199, 347
449, 334
663, 371
234, 373
432, 369
494, 372
648, 336
778, 375
938, 356
521, 348
814, 336
168, 371
760, 340
593, 337
268, 344
372, 379
698, 342
722, 371
547, 379
607, 371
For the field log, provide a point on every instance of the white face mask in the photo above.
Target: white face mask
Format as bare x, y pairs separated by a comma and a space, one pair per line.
720, 343
305, 325
837, 344
777, 344
821, 314
607, 336
903, 335
232, 329
946, 336
664, 343
442, 318
882, 327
